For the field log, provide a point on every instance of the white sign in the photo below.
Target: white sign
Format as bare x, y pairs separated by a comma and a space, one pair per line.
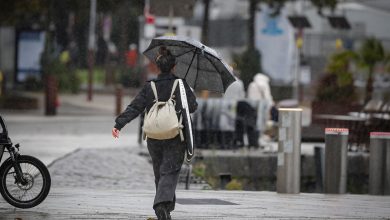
281, 159
274, 37
288, 146
286, 119
282, 134
305, 75
30, 48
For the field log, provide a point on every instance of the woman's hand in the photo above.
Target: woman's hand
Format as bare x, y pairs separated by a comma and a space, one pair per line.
115, 133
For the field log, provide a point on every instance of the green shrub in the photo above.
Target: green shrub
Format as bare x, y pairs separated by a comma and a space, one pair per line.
131, 77
213, 181
336, 85
249, 64
234, 185
33, 84
68, 80
199, 169
98, 75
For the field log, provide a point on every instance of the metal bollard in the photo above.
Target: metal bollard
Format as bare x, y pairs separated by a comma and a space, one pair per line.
118, 99
289, 150
335, 176
379, 180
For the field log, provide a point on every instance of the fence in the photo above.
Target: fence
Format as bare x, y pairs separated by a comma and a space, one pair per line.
222, 123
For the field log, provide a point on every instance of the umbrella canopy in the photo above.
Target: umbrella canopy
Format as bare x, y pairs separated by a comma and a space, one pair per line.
199, 65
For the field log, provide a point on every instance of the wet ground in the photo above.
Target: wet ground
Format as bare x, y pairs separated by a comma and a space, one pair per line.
98, 177
77, 203
104, 168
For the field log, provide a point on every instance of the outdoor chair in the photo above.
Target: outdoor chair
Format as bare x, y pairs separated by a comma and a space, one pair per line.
374, 114
371, 107
380, 121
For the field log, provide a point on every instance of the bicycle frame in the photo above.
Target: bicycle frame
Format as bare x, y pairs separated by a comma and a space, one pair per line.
6, 143
4, 139
1, 151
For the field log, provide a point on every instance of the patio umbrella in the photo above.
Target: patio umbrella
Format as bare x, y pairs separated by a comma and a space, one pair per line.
199, 65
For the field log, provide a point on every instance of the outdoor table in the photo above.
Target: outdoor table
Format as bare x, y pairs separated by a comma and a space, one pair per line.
356, 125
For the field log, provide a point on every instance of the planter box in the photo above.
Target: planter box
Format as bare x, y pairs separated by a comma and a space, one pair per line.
18, 103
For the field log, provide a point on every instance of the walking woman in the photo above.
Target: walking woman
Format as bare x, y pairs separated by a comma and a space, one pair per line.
167, 155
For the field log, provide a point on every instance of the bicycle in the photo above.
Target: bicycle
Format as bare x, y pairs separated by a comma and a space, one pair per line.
24, 180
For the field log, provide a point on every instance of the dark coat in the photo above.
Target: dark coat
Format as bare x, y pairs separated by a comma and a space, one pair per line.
145, 98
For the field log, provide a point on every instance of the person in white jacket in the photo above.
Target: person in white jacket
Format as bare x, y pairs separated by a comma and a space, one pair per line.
259, 90
228, 115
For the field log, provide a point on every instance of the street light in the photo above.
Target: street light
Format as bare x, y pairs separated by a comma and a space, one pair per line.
299, 22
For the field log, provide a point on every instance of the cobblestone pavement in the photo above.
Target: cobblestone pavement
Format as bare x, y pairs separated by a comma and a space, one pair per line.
106, 168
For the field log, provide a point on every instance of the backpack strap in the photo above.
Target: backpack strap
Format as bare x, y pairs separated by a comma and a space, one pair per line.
153, 85
174, 87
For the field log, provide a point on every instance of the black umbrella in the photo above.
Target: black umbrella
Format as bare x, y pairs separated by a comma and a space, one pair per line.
199, 65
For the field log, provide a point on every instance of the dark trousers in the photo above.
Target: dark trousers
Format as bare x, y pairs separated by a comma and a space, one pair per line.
253, 136
239, 133
167, 157
227, 138
246, 123
251, 131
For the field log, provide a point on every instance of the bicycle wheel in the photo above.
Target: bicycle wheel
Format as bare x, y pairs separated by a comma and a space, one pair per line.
37, 185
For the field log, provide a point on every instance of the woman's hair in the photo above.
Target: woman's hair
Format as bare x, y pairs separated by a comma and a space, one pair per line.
165, 60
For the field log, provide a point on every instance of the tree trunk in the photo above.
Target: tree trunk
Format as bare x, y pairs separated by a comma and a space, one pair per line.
205, 24
51, 95
124, 42
369, 85
91, 64
251, 24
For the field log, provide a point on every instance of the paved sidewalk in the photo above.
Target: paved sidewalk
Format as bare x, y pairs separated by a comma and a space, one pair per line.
49, 138
80, 203
87, 125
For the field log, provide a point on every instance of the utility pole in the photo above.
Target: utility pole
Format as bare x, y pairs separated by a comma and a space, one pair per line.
297, 86
91, 47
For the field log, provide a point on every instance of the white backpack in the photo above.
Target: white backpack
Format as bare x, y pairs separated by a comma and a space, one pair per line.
161, 121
